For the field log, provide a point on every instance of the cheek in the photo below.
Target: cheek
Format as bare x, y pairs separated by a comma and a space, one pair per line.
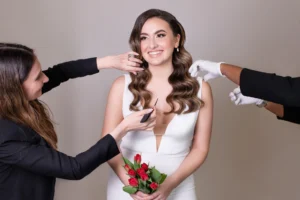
169, 44
36, 88
143, 47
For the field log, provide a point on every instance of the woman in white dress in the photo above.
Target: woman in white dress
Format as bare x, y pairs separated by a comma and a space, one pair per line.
179, 143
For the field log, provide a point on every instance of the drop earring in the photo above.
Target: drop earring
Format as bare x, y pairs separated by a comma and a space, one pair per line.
177, 49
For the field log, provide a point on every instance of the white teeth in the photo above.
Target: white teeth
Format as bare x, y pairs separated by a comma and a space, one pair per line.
154, 52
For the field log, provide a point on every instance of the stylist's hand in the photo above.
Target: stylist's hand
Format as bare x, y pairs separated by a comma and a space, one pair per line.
212, 68
239, 99
125, 62
132, 123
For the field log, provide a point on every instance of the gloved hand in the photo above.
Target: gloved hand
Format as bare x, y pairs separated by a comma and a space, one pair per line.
239, 99
212, 68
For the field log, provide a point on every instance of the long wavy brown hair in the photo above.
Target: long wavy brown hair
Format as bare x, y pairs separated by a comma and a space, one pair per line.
16, 62
185, 88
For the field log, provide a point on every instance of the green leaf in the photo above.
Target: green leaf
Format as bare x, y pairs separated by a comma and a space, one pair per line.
136, 166
141, 182
129, 189
163, 178
150, 179
155, 175
145, 190
126, 161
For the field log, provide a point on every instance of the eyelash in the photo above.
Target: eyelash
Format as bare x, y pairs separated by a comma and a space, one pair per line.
161, 35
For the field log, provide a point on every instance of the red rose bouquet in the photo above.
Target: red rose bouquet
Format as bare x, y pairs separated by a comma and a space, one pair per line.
142, 177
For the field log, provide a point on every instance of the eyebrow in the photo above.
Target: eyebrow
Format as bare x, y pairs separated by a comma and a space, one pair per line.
39, 74
155, 32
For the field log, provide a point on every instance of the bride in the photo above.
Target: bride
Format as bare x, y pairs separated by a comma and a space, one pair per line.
179, 143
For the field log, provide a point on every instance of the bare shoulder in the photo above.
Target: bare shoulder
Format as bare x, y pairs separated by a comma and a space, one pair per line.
206, 87
119, 82
118, 85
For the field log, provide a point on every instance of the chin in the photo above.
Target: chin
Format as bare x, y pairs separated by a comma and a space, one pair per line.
155, 62
38, 94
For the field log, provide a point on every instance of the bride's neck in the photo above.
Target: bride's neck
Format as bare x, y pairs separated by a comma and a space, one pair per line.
161, 71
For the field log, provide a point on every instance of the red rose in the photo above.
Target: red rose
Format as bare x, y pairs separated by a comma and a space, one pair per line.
144, 166
127, 167
137, 158
153, 186
133, 182
144, 176
140, 171
131, 172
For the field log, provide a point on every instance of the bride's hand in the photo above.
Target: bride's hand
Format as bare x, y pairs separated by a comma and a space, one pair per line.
140, 196
163, 190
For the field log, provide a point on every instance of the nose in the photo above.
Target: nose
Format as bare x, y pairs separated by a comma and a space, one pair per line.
46, 79
153, 43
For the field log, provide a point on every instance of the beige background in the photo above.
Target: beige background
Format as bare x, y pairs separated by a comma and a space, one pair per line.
252, 155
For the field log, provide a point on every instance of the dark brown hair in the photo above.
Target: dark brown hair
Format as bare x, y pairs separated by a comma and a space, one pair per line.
16, 62
185, 88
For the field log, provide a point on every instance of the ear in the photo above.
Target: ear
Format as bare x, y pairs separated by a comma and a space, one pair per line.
177, 40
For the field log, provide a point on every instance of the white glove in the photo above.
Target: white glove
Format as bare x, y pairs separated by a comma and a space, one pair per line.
212, 68
239, 99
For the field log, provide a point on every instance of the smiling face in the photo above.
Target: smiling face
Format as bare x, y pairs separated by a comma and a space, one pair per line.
157, 42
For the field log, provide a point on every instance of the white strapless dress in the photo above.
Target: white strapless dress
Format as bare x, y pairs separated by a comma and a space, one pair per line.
174, 147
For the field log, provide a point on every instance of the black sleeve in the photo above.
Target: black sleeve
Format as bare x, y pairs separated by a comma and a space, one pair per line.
291, 114
270, 87
46, 161
64, 71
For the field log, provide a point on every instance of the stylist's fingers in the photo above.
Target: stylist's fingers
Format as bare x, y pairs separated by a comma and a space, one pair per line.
238, 101
153, 115
141, 113
134, 70
133, 64
237, 90
232, 96
132, 57
129, 53
135, 60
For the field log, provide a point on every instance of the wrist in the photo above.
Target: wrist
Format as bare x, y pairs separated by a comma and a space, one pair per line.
102, 63
261, 103
222, 69
173, 181
118, 132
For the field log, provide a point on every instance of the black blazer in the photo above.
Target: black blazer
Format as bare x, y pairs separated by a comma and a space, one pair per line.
273, 88
29, 166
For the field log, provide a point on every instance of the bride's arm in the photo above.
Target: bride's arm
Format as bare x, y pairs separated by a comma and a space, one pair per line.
200, 146
199, 149
113, 116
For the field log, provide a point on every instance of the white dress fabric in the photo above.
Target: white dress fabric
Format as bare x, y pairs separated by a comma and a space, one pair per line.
174, 147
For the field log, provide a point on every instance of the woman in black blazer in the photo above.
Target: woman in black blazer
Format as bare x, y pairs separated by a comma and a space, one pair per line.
29, 160
282, 93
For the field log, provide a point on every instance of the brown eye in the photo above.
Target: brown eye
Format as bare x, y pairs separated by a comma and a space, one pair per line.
142, 38
161, 35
